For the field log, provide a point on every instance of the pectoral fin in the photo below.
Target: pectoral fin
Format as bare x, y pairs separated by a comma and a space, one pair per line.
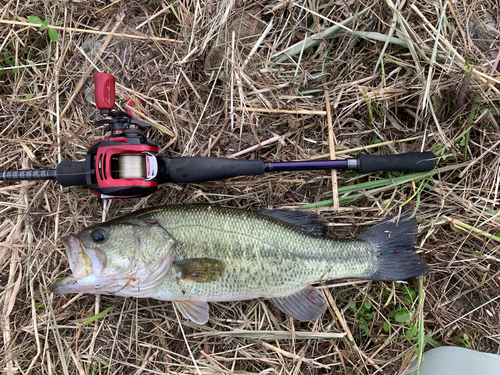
305, 305
197, 311
200, 270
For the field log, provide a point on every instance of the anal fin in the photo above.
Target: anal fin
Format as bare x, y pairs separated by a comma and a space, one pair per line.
305, 305
197, 311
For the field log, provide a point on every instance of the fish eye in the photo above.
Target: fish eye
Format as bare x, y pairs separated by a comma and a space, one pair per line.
99, 235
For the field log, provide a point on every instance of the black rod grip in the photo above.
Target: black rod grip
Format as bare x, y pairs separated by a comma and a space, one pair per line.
409, 162
201, 169
71, 173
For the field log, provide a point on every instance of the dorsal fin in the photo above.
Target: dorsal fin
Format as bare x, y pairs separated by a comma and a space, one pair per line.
309, 222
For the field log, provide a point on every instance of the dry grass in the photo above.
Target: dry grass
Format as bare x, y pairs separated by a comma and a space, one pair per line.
414, 86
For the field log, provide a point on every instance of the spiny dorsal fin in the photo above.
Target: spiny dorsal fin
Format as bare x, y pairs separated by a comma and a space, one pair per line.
197, 311
199, 270
305, 305
309, 222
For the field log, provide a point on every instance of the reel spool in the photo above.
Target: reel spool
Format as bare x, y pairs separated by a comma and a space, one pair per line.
124, 167
132, 166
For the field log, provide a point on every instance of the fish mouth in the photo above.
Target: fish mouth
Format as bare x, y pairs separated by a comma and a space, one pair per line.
71, 250
78, 258
81, 264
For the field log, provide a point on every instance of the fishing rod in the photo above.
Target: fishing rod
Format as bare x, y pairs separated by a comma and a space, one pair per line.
125, 164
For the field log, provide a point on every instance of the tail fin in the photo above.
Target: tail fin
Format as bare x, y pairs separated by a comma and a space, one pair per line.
393, 240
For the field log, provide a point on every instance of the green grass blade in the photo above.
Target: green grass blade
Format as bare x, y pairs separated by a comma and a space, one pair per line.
420, 333
96, 316
316, 39
379, 185
432, 342
380, 37
461, 226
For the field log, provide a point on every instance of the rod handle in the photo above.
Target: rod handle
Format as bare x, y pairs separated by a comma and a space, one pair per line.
201, 169
408, 162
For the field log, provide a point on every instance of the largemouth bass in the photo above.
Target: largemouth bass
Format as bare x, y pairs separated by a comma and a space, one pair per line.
195, 254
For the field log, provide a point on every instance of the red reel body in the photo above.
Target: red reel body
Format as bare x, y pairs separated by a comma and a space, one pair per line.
108, 179
123, 165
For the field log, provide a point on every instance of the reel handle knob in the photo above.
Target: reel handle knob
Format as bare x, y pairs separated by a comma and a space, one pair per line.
104, 92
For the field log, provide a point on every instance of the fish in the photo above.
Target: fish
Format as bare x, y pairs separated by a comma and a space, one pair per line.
196, 254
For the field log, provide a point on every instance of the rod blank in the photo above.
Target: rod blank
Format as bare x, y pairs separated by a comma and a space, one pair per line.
29, 174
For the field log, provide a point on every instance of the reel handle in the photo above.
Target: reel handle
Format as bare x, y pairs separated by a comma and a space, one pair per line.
104, 92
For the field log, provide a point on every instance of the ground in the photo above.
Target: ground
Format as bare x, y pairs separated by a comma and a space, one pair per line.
218, 77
